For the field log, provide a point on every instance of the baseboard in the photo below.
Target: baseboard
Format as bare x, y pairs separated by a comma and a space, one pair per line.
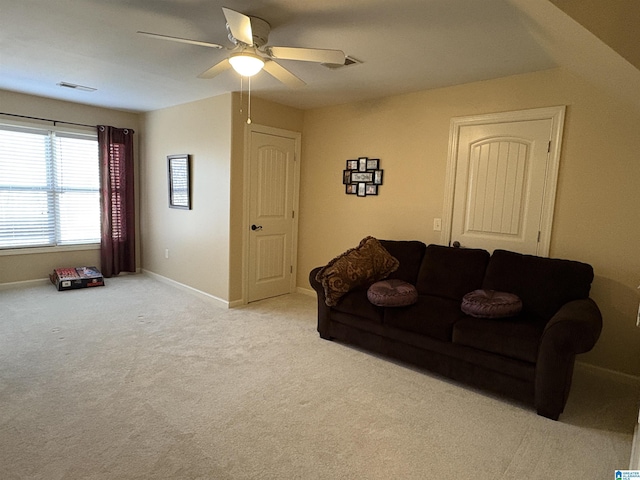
621, 377
24, 284
43, 281
199, 293
627, 379
634, 462
306, 291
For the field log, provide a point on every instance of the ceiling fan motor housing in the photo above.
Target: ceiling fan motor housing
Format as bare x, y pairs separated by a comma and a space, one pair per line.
259, 29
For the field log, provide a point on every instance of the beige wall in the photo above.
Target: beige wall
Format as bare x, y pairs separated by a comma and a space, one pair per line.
197, 239
205, 243
25, 267
595, 219
265, 113
615, 23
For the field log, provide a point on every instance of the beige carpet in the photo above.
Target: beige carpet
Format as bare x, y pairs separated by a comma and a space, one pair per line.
139, 380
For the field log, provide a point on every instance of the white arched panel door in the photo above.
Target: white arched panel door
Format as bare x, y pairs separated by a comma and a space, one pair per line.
272, 226
502, 179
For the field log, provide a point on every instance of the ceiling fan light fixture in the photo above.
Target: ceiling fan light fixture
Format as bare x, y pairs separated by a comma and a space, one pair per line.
246, 64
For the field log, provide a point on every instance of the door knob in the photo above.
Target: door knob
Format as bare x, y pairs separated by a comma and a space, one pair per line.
255, 227
456, 244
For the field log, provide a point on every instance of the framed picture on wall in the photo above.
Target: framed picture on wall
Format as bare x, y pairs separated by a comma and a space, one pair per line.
362, 177
371, 189
179, 172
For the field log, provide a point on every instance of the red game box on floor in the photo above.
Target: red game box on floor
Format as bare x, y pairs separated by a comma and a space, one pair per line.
76, 277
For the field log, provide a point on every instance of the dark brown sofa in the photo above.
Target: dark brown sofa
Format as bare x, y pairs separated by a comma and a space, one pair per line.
529, 357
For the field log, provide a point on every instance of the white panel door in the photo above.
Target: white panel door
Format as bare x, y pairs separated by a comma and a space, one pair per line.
500, 179
271, 213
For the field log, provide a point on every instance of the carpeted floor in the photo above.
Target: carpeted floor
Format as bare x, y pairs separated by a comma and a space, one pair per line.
139, 380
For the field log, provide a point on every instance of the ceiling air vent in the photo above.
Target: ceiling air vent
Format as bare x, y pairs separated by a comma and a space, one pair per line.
76, 87
348, 61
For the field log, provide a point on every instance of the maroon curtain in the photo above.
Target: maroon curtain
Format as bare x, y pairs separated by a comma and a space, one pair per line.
117, 246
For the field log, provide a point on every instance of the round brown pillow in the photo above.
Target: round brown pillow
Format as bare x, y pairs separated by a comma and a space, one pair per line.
392, 293
491, 304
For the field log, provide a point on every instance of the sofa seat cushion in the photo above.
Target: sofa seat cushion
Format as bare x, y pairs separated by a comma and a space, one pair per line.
392, 293
362, 265
356, 303
513, 338
430, 315
491, 304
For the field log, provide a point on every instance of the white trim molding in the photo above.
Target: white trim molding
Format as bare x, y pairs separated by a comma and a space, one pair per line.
199, 293
309, 292
24, 284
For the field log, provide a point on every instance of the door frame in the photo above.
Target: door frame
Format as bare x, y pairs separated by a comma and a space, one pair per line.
246, 195
556, 114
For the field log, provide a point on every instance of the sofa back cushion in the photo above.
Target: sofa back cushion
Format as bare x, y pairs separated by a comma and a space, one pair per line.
409, 253
543, 284
451, 272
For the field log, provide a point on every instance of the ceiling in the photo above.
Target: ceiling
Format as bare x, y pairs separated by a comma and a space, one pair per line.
404, 46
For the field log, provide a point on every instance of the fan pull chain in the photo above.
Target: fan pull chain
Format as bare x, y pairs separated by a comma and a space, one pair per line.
241, 104
249, 105
249, 99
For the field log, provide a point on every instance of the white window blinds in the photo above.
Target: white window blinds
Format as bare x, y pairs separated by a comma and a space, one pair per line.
49, 188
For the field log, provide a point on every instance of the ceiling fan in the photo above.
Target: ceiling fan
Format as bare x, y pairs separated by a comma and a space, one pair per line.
251, 53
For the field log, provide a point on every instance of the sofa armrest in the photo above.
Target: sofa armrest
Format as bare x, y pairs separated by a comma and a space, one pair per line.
315, 284
323, 310
574, 329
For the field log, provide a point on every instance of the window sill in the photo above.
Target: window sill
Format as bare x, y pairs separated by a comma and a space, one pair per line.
36, 250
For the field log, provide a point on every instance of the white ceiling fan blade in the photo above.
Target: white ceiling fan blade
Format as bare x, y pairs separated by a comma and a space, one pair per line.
239, 25
280, 73
318, 55
181, 40
217, 69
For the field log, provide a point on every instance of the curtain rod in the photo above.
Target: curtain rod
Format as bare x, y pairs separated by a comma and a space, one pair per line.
48, 120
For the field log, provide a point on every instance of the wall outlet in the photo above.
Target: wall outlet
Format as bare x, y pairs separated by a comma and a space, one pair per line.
437, 224
166, 253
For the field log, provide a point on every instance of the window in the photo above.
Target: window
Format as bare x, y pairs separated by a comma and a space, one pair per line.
49, 187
